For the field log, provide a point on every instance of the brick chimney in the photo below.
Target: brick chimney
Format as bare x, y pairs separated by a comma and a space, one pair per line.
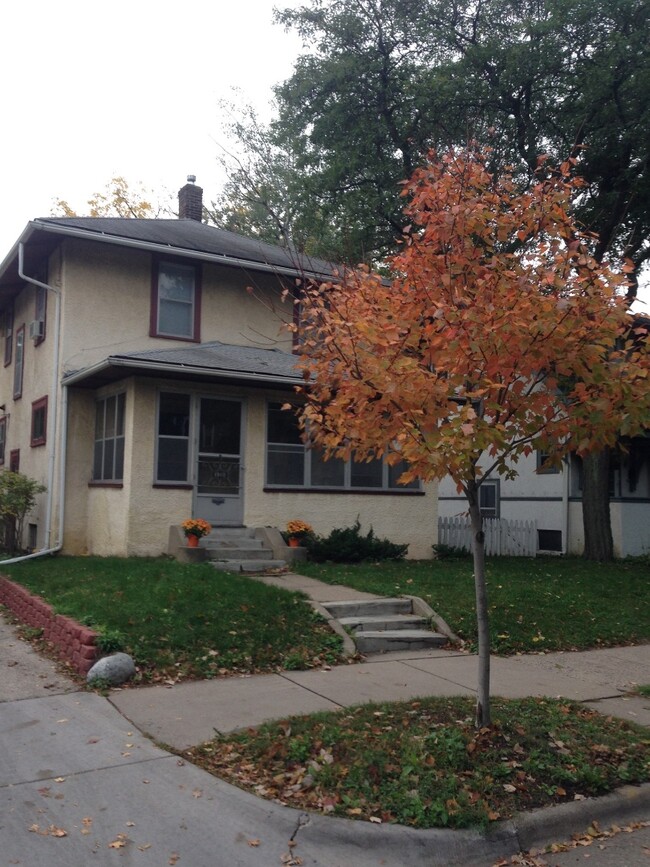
190, 200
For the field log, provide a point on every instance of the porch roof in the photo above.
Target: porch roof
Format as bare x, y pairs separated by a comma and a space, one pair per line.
215, 361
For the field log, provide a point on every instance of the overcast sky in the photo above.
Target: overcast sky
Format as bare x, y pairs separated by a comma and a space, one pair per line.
93, 90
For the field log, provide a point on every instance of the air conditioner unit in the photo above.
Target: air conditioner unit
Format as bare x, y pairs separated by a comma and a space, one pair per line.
36, 329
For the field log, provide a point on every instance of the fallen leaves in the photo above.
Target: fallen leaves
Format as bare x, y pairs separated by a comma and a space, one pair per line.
50, 831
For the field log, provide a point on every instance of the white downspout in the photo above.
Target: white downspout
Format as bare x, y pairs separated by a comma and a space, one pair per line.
49, 548
565, 504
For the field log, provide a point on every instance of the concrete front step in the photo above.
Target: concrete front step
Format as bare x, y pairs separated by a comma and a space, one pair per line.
398, 639
223, 553
369, 607
380, 622
385, 624
248, 565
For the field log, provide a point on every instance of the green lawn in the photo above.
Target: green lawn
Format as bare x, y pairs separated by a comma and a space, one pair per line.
183, 621
548, 603
422, 763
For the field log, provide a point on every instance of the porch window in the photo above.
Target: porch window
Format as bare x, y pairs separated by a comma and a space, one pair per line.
108, 463
173, 437
175, 301
19, 362
292, 464
39, 422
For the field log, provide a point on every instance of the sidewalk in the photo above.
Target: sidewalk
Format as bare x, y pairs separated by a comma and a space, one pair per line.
189, 713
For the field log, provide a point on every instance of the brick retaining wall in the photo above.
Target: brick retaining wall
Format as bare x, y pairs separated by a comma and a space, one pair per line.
73, 642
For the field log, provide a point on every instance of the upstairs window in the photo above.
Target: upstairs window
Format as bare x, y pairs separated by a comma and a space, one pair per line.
108, 459
175, 301
39, 422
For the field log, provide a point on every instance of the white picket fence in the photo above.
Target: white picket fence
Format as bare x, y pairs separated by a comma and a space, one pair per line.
502, 538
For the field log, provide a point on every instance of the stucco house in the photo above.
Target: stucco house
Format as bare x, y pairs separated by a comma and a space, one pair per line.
145, 368
552, 499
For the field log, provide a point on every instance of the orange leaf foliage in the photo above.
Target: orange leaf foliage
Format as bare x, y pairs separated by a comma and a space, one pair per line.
497, 333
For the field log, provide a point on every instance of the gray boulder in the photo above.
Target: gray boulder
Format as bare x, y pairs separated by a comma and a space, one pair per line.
115, 669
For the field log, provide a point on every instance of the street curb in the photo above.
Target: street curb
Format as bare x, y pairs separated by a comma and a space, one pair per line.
541, 827
439, 847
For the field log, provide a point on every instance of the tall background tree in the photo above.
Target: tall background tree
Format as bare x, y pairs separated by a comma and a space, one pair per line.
497, 334
384, 80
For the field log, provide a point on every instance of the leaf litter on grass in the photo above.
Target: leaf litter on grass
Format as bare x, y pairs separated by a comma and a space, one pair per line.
422, 763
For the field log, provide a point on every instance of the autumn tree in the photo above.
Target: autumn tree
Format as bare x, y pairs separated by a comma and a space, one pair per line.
497, 334
382, 81
119, 198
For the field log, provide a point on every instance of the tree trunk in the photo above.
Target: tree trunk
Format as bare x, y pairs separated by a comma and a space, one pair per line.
595, 506
483, 715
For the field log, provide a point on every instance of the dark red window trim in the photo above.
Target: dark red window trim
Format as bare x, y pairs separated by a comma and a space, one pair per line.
8, 325
37, 406
18, 392
156, 261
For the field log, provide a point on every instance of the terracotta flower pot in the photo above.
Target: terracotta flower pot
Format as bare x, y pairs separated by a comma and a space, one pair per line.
294, 542
192, 541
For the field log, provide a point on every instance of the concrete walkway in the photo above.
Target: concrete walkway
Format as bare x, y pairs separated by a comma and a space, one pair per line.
189, 713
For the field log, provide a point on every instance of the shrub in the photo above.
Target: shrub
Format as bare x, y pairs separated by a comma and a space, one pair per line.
17, 497
348, 545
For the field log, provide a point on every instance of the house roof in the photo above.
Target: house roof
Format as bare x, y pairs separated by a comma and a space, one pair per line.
187, 238
216, 362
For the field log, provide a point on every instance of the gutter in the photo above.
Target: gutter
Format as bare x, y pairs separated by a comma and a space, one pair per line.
168, 250
49, 549
160, 367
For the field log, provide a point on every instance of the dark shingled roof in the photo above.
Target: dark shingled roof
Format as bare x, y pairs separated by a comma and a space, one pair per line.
223, 356
192, 236
212, 361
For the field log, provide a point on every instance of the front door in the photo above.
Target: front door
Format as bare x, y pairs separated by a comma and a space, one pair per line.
219, 485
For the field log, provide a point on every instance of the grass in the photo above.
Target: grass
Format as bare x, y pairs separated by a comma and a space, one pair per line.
180, 621
422, 763
535, 604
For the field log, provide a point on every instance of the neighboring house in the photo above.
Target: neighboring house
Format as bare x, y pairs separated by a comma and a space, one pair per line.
552, 498
144, 373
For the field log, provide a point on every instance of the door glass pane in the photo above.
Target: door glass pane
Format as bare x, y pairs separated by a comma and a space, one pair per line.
172, 460
174, 418
395, 472
218, 476
220, 427
367, 475
324, 473
109, 430
282, 425
286, 465
176, 319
